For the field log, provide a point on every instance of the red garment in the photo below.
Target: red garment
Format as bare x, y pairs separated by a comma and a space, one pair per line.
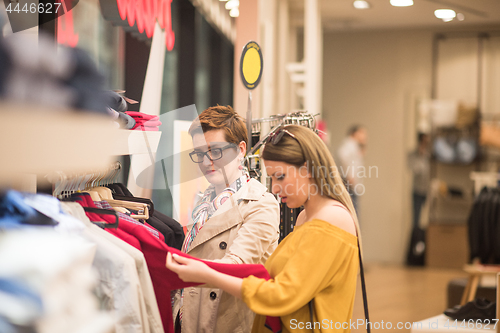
88, 202
153, 231
129, 239
165, 280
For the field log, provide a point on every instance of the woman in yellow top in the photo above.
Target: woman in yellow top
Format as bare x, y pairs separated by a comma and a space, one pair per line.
318, 261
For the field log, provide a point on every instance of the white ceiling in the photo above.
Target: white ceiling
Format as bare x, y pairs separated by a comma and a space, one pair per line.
341, 15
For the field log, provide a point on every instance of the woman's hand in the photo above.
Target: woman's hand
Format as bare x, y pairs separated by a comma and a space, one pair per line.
188, 270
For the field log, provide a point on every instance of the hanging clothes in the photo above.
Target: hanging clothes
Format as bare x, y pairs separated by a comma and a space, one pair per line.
164, 280
124, 288
151, 315
170, 228
61, 279
484, 227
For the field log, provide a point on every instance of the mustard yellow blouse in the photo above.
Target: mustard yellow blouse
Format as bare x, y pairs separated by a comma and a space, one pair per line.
317, 260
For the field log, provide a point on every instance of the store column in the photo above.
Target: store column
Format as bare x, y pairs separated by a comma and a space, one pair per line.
247, 28
269, 21
283, 92
313, 57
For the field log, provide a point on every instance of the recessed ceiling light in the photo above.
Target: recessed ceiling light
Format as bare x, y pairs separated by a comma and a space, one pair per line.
232, 4
460, 16
402, 3
361, 4
235, 12
446, 15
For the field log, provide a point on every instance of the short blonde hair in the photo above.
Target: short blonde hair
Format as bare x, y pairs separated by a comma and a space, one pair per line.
221, 118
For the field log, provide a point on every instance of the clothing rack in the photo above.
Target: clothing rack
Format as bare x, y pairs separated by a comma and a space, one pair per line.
64, 185
48, 142
302, 118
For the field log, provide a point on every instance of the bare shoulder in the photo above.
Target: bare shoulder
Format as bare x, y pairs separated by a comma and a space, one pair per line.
301, 218
338, 217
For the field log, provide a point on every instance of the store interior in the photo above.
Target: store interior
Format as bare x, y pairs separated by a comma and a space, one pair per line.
396, 68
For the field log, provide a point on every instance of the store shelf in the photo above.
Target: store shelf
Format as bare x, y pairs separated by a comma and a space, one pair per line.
127, 142
37, 141
40, 140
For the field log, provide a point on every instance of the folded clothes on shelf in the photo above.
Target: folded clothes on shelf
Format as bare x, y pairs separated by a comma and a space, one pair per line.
43, 75
140, 115
115, 101
144, 122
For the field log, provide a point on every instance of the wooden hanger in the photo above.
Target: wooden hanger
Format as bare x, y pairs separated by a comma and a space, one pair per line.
106, 195
94, 195
142, 208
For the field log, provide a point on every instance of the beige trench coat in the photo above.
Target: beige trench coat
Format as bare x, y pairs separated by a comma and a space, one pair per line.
245, 229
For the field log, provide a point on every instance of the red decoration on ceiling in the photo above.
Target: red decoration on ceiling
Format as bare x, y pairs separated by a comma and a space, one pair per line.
65, 28
145, 13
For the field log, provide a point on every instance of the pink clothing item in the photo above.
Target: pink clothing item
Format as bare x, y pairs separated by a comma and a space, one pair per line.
145, 128
139, 115
149, 123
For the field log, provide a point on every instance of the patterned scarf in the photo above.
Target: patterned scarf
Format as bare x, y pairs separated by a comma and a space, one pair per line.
207, 207
204, 210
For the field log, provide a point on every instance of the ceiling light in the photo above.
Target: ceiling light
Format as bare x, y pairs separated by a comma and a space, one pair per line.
235, 12
232, 4
361, 4
446, 15
402, 3
460, 16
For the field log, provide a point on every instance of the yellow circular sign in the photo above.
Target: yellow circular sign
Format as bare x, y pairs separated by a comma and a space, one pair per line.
251, 65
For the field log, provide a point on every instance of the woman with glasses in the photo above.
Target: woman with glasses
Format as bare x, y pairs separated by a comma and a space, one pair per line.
314, 269
236, 221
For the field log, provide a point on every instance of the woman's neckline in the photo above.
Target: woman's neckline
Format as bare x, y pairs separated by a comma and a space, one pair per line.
315, 220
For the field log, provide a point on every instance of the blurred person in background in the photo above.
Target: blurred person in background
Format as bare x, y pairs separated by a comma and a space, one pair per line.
419, 163
350, 157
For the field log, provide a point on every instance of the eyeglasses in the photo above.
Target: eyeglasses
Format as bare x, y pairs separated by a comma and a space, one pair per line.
213, 154
276, 137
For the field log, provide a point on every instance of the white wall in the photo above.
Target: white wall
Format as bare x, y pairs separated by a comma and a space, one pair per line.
375, 78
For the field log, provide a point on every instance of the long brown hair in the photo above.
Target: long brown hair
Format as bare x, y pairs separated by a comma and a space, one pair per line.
307, 148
